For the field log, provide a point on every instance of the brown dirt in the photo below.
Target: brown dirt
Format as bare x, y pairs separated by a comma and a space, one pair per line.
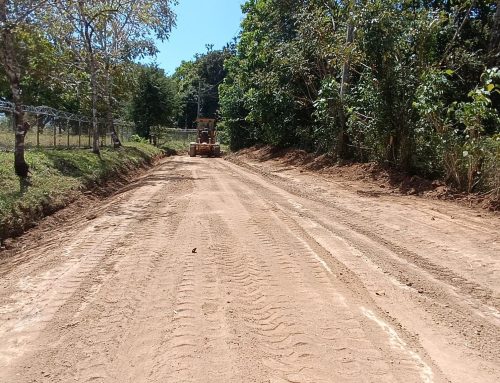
75, 208
370, 174
204, 270
75, 201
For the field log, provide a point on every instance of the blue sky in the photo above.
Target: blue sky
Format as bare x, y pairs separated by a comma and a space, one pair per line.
199, 22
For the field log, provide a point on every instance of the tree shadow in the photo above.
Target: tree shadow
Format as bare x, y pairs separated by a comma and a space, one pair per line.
24, 184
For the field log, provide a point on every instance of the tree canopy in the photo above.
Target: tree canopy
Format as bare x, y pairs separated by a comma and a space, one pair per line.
413, 84
75, 55
201, 78
154, 100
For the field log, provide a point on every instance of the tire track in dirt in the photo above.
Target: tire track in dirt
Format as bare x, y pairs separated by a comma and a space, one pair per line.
354, 232
354, 221
78, 303
194, 347
466, 316
205, 272
309, 256
294, 352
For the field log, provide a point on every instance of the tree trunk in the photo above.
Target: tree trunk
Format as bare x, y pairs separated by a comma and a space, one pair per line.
405, 149
343, 138
111, 125
390, 149
109, 109
87, 35
93, 86
9, 62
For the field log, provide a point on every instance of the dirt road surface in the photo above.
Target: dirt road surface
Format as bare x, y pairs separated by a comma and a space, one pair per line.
209, 271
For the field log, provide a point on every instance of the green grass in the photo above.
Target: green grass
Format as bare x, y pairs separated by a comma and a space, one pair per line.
58, 176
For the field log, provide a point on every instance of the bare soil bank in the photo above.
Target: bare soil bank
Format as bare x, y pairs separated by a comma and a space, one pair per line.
61, 177
377, 178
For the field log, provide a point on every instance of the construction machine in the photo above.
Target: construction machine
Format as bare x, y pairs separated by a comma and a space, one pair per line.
206, 139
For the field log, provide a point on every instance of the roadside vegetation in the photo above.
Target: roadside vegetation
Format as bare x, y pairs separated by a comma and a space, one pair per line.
165, 108
59, 177
414, 85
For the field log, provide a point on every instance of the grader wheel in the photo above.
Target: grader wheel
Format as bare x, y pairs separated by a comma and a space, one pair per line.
217, 151
192, 150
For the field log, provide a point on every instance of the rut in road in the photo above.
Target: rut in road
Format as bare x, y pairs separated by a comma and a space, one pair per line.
282, 288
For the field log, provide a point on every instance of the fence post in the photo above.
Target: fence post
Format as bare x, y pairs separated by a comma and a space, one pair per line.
67, 129
37, 130
55, 132
79, 133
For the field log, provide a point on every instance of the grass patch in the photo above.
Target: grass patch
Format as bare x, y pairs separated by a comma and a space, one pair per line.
58, 176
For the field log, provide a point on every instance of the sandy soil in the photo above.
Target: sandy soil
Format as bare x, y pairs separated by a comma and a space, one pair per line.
204, 270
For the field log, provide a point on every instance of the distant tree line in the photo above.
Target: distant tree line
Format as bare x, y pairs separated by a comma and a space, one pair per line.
175, 101
201, 78
414, 84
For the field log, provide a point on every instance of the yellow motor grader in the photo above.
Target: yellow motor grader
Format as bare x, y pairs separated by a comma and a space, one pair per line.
206, 139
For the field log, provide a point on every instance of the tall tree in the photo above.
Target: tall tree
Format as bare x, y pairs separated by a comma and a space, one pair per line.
14, 17
198, 84
128, 33
106, 33
154, 100
80, 21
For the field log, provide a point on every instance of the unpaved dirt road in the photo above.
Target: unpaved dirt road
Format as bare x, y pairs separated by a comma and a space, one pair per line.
294, 279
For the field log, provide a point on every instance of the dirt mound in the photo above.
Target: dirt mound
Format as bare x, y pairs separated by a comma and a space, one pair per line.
372, 174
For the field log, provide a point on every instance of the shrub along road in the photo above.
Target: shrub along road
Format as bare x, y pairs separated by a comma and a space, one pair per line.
207, 271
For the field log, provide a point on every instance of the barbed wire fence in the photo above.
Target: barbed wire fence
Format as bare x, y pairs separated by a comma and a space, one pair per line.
57, 129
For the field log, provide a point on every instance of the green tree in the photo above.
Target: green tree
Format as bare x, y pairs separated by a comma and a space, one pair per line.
105, 33
16, 17
126, 34
201, 78
391, 81
154, 100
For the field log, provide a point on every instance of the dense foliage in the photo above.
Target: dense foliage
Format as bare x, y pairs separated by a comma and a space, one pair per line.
154, 100
414, 84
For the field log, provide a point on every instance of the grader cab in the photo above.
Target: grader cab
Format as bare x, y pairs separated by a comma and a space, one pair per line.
206, 139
